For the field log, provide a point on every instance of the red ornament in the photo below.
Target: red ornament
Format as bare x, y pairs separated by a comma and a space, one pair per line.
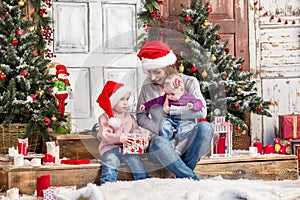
209, 9
255, 3
238, 128
236, 105
47, 121
24, 73
279, 20
266, 13
20, 32
194, 69
226, 75
286, 21
272, 17
259, 109
241, 68
227, 50
218, 37
5, 15
14, 42
293, 22
2, 76
188, 18
261, 7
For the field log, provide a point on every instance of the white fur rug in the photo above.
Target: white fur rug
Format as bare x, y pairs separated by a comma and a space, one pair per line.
184, 189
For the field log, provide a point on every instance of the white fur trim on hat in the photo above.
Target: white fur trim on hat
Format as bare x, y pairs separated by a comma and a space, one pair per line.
115, 97
114, 122
160, 62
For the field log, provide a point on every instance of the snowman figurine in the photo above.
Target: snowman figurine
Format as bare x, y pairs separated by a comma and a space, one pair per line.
62, 87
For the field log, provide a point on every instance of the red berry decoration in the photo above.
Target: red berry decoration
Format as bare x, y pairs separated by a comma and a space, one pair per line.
286, 22
279, 20
188, 18
236, 105
14, 42
241, 68
259, 109
272, 17
293, 22
218, 37
194, 69
209, 9
2, 76
24, 73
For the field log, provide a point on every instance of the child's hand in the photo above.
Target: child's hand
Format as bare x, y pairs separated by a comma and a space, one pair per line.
142, 107
125, 139
189, 106
166, 106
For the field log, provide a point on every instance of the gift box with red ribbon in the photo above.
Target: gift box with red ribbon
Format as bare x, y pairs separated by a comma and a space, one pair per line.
139, 144
289, 126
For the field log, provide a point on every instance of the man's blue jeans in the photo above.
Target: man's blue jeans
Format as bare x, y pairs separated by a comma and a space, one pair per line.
111, 161
161, 151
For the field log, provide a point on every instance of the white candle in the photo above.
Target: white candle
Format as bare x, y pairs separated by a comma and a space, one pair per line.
13, 194
19, 160
36, 162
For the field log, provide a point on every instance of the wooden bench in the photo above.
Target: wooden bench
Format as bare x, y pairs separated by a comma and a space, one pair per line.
263, 168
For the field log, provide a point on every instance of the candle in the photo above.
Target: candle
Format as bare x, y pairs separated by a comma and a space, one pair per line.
42, 183
253, 151
268, 149
13, 194
36, 162
220, 145
18, 160
23, 146
259, 147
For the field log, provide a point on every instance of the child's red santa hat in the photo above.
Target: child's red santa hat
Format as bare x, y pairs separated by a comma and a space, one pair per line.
111, 94
156, 54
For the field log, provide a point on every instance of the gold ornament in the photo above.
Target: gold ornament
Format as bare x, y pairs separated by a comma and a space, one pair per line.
181, 68
213, 58
53, 118
204, 74
205, 23
21, 3
239, 90
187, 40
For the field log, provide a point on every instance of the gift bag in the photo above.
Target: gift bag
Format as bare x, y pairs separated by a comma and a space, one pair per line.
289, 126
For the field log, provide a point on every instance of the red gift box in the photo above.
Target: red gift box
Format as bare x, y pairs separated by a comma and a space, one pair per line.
289, 126
295, 149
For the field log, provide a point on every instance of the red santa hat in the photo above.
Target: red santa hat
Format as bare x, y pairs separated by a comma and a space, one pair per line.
61, 69
156, 54
111, 94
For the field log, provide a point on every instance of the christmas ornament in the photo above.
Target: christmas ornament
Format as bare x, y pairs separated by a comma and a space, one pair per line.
239, 90
272, 17
204, 74
6, 15
213, 58
21, 3
20, 32
194, 69
236, 105
205, 23
2, 76
227, 50
238, 128
209, 9
181, 68
188, 18
14, 41
187, 40
47, 121
24, 73
226, 75
217, 111
53, 118
241, 68
218, 37
259, 109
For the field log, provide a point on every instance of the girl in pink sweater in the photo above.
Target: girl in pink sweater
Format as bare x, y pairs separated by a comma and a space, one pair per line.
114, 125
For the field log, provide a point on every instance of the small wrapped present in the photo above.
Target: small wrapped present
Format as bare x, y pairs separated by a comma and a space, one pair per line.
289, 126
295, 149
49, 193
139, 144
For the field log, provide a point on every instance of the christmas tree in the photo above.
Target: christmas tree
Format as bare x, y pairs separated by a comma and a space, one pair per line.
228, 89
25, 87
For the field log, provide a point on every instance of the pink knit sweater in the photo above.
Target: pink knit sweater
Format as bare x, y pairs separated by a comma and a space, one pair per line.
110, 137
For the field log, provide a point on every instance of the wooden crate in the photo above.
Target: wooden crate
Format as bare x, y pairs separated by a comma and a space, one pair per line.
77, 146
274, 167
25, 177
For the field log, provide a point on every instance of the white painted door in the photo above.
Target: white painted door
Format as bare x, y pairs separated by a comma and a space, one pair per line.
275, 61
95, 40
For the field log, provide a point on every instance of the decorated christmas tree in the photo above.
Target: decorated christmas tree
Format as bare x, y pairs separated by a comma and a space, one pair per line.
25, 86
229, 90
